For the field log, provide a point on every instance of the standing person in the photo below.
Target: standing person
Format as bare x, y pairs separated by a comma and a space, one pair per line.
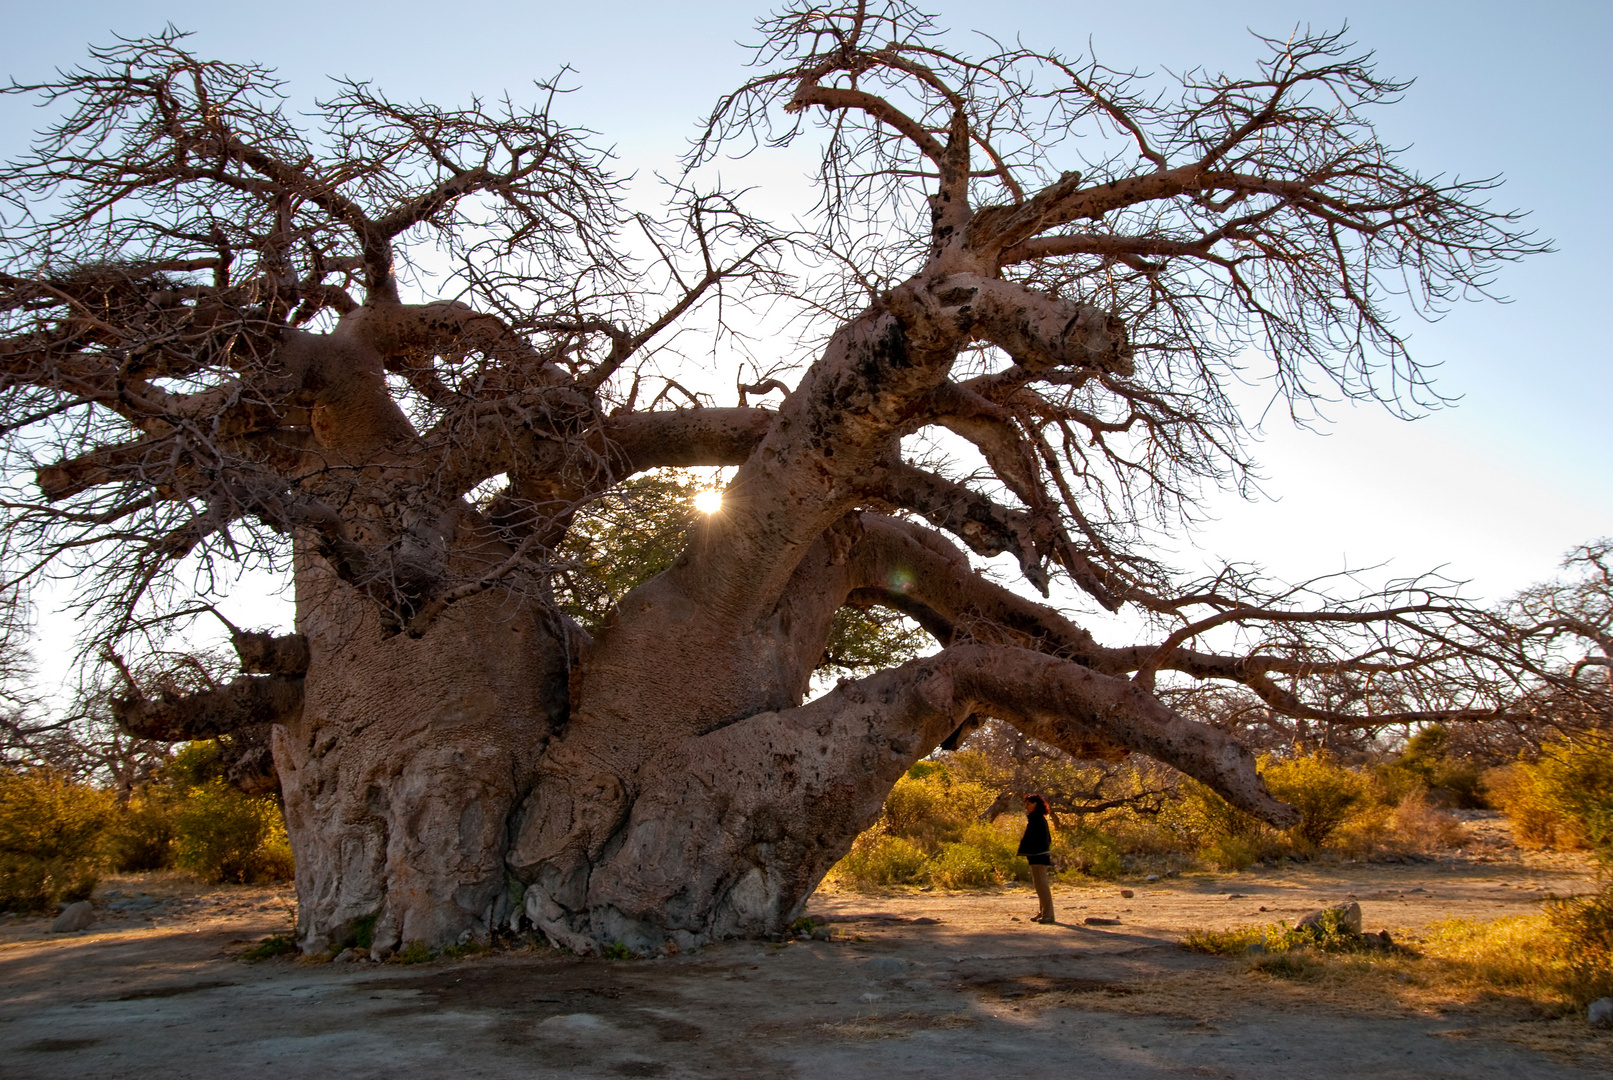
1037, 847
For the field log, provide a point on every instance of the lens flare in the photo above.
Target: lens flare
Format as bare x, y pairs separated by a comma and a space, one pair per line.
708, 501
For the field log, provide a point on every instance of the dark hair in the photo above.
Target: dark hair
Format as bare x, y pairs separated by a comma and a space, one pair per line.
1040, 804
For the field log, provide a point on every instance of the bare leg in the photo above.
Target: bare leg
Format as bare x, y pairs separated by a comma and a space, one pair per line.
1044, 892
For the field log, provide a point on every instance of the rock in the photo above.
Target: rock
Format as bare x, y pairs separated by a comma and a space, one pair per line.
1127, 893
114, 894
885, 965
1600, 1014
925, 920
1350, 911
79, 916
928, 888
347, 956
1151, 877
1093, 920
822, 933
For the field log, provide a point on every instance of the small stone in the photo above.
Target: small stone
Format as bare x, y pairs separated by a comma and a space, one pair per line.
1151, 877
114, 894
1127, 893
466, 937
1350, 911
885, 965
1237, 896
925, 920
822, 933
347, 956
74, 917
928, 888
1093, 920
1600, 1014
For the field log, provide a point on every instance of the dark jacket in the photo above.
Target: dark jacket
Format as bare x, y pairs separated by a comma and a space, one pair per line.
1038, 838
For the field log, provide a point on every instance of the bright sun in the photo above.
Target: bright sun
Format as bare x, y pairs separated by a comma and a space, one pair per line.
708, 501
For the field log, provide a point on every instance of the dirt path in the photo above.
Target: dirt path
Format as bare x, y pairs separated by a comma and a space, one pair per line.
154, 992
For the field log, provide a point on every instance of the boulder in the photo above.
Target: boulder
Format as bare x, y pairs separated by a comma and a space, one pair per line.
1600, 1014
1351, 913
79, 916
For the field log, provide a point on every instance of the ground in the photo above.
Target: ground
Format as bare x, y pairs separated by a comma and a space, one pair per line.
913, 985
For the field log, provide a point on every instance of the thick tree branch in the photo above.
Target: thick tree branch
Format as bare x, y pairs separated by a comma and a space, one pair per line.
252, 699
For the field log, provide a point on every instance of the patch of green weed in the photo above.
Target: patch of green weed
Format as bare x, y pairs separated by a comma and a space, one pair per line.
271, 946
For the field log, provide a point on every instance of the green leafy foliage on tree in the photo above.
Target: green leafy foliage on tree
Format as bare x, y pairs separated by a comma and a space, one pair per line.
639, 528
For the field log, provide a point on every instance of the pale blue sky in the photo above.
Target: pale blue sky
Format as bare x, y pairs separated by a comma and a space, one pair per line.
1497, 487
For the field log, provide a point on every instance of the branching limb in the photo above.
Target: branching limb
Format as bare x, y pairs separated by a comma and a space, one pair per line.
252, 699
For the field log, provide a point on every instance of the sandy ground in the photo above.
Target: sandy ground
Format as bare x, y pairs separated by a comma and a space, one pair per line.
914, 985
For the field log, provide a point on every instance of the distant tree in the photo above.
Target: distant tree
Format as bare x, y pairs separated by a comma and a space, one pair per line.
214, 354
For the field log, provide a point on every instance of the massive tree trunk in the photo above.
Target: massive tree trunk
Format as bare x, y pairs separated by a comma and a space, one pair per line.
401, 770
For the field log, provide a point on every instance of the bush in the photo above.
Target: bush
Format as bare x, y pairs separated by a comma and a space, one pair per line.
1565, 799
50, 839
1321, 789
142, 835
1427, 765
223, 835
1202, 817
1419, 826
984, 855
1087, 851
880, 859
930, 809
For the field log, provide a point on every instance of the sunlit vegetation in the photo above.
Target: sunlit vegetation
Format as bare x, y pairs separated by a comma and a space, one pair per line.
58, 835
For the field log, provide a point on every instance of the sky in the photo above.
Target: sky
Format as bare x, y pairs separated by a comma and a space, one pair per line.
1494, 489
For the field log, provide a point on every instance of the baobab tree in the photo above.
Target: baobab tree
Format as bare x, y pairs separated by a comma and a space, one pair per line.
220, 348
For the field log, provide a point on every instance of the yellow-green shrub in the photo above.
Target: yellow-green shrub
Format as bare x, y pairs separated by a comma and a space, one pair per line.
1565, 799
880, 859
1087, 851
930, 809
1322, 790
984, 855
50, 838
142, 835
223, 835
